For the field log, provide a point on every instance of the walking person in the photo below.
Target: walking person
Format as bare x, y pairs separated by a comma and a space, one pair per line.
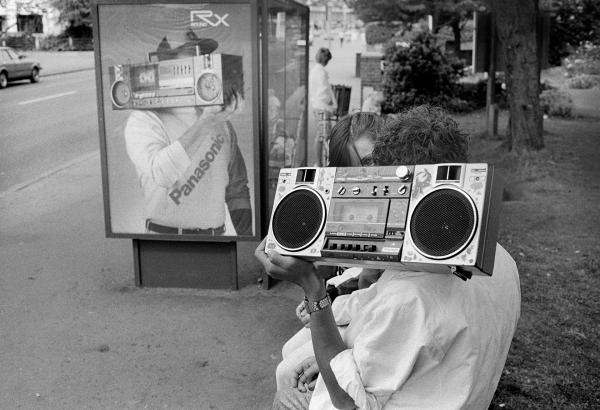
323, 104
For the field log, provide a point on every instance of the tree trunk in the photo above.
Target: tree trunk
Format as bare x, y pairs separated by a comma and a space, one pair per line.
516, 25
455, 24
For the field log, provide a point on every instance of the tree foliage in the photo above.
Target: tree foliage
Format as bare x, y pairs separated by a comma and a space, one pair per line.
74, 12
387, 10
419, 74
573, 22
444, 12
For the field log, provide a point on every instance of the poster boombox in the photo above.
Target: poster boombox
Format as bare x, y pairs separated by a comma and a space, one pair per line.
190, 81
437, 218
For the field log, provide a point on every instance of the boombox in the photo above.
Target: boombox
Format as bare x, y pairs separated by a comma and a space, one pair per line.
433, 218
182, 82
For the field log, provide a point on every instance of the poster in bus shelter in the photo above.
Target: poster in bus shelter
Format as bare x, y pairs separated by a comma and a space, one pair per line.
178, 109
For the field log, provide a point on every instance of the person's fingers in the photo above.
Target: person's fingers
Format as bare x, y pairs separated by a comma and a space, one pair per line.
312, 371
265, 260
301, 368
311, 385
300, 309
273, 265
289, 263
277, 259
259, 252
291, 381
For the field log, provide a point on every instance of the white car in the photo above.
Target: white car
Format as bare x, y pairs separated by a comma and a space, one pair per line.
15, 67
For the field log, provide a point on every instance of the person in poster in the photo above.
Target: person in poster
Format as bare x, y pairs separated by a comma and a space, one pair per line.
187, 159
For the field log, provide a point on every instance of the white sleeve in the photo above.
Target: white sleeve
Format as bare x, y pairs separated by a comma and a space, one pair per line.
384, 353
151, 152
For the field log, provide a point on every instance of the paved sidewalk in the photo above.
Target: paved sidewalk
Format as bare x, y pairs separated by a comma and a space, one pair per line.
59, 62
77, 334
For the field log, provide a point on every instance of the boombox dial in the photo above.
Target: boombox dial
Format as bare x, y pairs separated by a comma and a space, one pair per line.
120, 93
209, 86
298, 219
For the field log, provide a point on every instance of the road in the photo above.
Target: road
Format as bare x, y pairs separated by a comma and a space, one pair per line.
46, 125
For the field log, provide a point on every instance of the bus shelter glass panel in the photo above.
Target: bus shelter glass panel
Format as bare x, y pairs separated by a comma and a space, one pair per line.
286, 41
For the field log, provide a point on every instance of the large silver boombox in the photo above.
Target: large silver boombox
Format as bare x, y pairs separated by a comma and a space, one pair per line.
437, 218
181, 82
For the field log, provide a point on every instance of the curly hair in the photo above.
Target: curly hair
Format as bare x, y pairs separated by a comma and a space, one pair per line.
421, 135
323, 56
346, 131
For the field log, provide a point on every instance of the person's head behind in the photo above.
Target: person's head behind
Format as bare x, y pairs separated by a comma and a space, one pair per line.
421, 135
323, 56
351, 139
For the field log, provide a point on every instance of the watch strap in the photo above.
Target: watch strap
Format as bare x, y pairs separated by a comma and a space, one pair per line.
314, 306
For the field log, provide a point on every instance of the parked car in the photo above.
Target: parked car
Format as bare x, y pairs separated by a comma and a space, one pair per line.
15, 66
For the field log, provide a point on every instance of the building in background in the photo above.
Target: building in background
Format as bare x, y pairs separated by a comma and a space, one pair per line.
36, 17
336, 12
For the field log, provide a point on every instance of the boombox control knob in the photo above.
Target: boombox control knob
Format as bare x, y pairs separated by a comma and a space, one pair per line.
402, 190
356, 190
341, 190
403, 172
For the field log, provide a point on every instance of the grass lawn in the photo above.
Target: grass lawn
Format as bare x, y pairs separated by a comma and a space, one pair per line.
550, 224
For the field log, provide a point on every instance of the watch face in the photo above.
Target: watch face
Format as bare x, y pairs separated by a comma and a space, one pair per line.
313, 306
209, 86
121, 93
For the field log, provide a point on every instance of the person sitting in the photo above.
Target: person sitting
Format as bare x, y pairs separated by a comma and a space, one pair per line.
350, 144
413, 339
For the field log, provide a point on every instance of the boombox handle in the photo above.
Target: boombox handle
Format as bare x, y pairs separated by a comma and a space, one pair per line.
461, 272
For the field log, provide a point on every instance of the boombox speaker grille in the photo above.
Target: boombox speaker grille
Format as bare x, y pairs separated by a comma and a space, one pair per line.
443, 223
298, 219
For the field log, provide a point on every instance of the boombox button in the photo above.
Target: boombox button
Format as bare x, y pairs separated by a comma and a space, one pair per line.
402, 190
356, 190
403, 172
333, 246
357, 247
341, 190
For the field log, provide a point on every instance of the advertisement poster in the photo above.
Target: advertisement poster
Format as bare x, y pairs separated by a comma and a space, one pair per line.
178, 106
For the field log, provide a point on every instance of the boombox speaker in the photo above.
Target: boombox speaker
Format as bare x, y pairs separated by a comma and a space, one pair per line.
438, 217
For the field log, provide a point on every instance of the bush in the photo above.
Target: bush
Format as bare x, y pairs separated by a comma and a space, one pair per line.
583, 81
61, 43
20, 40
586, 60
419, 74
573, 22
380, 33
556, 102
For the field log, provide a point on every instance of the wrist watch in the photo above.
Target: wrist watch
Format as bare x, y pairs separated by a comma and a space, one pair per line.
312, 307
